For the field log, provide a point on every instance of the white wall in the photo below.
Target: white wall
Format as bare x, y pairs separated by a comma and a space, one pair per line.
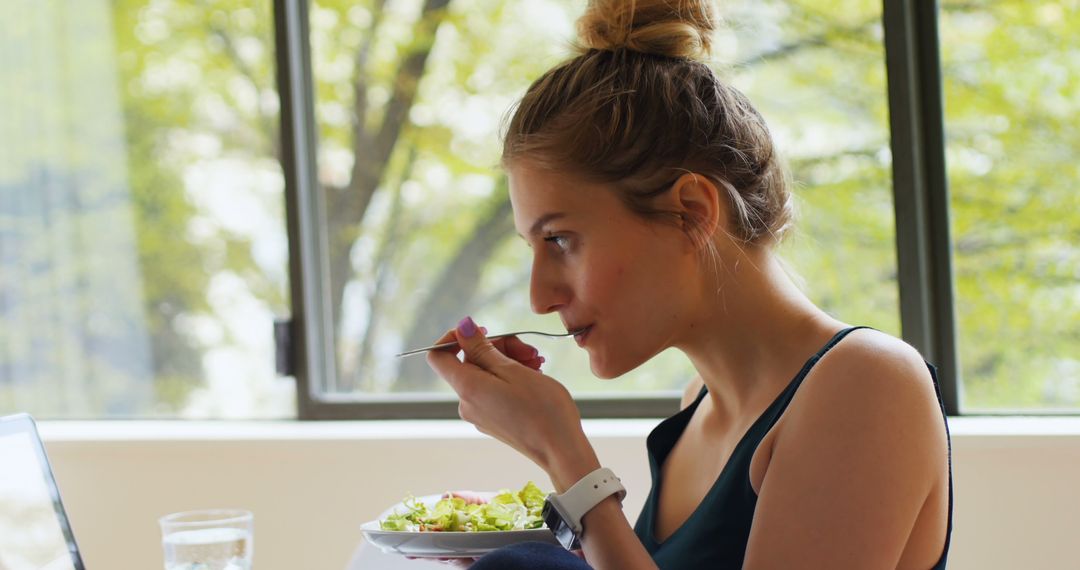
312, 485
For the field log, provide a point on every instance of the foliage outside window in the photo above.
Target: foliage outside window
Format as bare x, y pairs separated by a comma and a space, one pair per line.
409, 103
143, 248
142, 238
1012, 96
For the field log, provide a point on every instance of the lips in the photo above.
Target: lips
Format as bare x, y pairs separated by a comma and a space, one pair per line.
581, 336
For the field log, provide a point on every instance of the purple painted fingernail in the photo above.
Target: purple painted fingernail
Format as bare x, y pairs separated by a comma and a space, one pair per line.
467, 327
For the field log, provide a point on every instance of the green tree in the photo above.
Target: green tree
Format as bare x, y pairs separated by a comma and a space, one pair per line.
198, 83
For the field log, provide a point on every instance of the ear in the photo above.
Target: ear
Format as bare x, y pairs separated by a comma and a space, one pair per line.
701, 206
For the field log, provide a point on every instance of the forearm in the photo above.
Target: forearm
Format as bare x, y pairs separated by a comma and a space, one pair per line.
609, 541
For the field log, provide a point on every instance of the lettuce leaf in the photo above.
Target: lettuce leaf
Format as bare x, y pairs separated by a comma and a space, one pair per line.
508, 510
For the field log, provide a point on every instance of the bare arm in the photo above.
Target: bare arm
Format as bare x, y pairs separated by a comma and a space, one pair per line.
861, 450
619, 536
535, 415
609, 542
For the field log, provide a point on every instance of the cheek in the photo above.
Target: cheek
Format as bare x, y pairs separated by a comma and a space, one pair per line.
631, 277
604, 283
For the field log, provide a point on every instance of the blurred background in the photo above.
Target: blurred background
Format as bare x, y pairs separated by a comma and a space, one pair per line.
143, 245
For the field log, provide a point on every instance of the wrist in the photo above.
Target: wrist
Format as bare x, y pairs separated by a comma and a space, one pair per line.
564, 513
572, 460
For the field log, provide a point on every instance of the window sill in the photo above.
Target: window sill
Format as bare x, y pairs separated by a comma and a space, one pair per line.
986, 429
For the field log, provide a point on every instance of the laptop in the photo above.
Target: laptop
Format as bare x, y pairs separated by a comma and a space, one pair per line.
34, 529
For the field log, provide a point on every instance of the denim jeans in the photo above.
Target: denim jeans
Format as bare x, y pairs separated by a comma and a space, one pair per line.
530, 556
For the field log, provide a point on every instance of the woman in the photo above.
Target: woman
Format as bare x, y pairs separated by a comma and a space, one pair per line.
652, 198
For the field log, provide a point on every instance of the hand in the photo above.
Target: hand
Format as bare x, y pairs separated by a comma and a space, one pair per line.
458, 562
469, 497
455, 562
505, 396
513, 347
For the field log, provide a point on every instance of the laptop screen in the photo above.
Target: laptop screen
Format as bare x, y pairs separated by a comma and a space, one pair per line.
34, 532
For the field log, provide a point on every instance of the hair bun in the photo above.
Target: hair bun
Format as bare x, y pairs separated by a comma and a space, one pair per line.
672, 28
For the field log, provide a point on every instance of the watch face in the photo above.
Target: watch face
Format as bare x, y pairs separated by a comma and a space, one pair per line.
562, 531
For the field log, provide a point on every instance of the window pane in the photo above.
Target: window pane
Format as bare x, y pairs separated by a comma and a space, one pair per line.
1012, 96
419, 226
142, 242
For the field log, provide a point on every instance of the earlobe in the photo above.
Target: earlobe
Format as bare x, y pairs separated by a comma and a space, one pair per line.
702, 208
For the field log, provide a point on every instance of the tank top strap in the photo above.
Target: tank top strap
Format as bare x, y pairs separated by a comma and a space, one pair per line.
837, 338
797, 380
716, 534
772, 415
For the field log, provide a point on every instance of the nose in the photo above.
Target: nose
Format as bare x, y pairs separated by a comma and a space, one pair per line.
547, 289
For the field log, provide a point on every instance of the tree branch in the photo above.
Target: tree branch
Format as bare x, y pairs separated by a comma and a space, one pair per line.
266, 123
347, 204
453, 293
821, 39
382, 270
361, 137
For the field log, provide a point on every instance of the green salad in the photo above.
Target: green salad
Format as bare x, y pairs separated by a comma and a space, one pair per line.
508, 510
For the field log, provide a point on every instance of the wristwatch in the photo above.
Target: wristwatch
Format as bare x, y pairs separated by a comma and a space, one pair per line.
562, 513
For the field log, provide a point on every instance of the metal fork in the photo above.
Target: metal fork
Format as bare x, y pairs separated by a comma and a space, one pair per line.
491, 337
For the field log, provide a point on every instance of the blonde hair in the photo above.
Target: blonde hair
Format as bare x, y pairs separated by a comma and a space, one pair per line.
637, 107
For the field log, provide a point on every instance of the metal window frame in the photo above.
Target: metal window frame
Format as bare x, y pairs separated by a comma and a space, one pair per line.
921, 206
306, 332
921, 188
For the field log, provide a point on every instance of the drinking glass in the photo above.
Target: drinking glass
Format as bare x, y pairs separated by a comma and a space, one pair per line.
214, 539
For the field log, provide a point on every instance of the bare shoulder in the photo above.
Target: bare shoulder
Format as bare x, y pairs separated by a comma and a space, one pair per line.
869, 365
857, 466
875, 384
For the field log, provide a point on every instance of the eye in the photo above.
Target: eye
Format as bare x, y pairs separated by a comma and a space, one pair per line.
561, 242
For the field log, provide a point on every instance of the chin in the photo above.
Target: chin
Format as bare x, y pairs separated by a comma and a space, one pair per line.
606, 365
604, 374
606, 370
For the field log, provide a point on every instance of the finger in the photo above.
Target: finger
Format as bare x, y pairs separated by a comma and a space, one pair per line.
478, 349
514, 348
499, 344
442, 360
470, 497
447, 337
534, 363
459, 375
519, 350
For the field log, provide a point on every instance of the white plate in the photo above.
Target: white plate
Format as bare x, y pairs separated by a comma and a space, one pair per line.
446, 544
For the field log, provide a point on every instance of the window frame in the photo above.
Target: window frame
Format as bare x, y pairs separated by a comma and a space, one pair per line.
921, 208
921, 189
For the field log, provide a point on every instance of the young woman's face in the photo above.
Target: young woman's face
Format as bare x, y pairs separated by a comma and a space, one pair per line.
628, 281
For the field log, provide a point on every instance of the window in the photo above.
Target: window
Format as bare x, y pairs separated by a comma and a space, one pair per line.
1012, 95
142, 238
177, 177
408, 101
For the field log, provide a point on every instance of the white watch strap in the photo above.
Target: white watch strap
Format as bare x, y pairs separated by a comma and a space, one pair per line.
586, 494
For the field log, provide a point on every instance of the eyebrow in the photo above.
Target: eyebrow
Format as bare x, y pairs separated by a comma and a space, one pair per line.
539, 223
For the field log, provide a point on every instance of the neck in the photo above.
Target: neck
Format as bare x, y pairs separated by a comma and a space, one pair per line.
753, 335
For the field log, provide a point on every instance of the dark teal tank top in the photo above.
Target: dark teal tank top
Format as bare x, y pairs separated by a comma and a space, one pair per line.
716, 533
